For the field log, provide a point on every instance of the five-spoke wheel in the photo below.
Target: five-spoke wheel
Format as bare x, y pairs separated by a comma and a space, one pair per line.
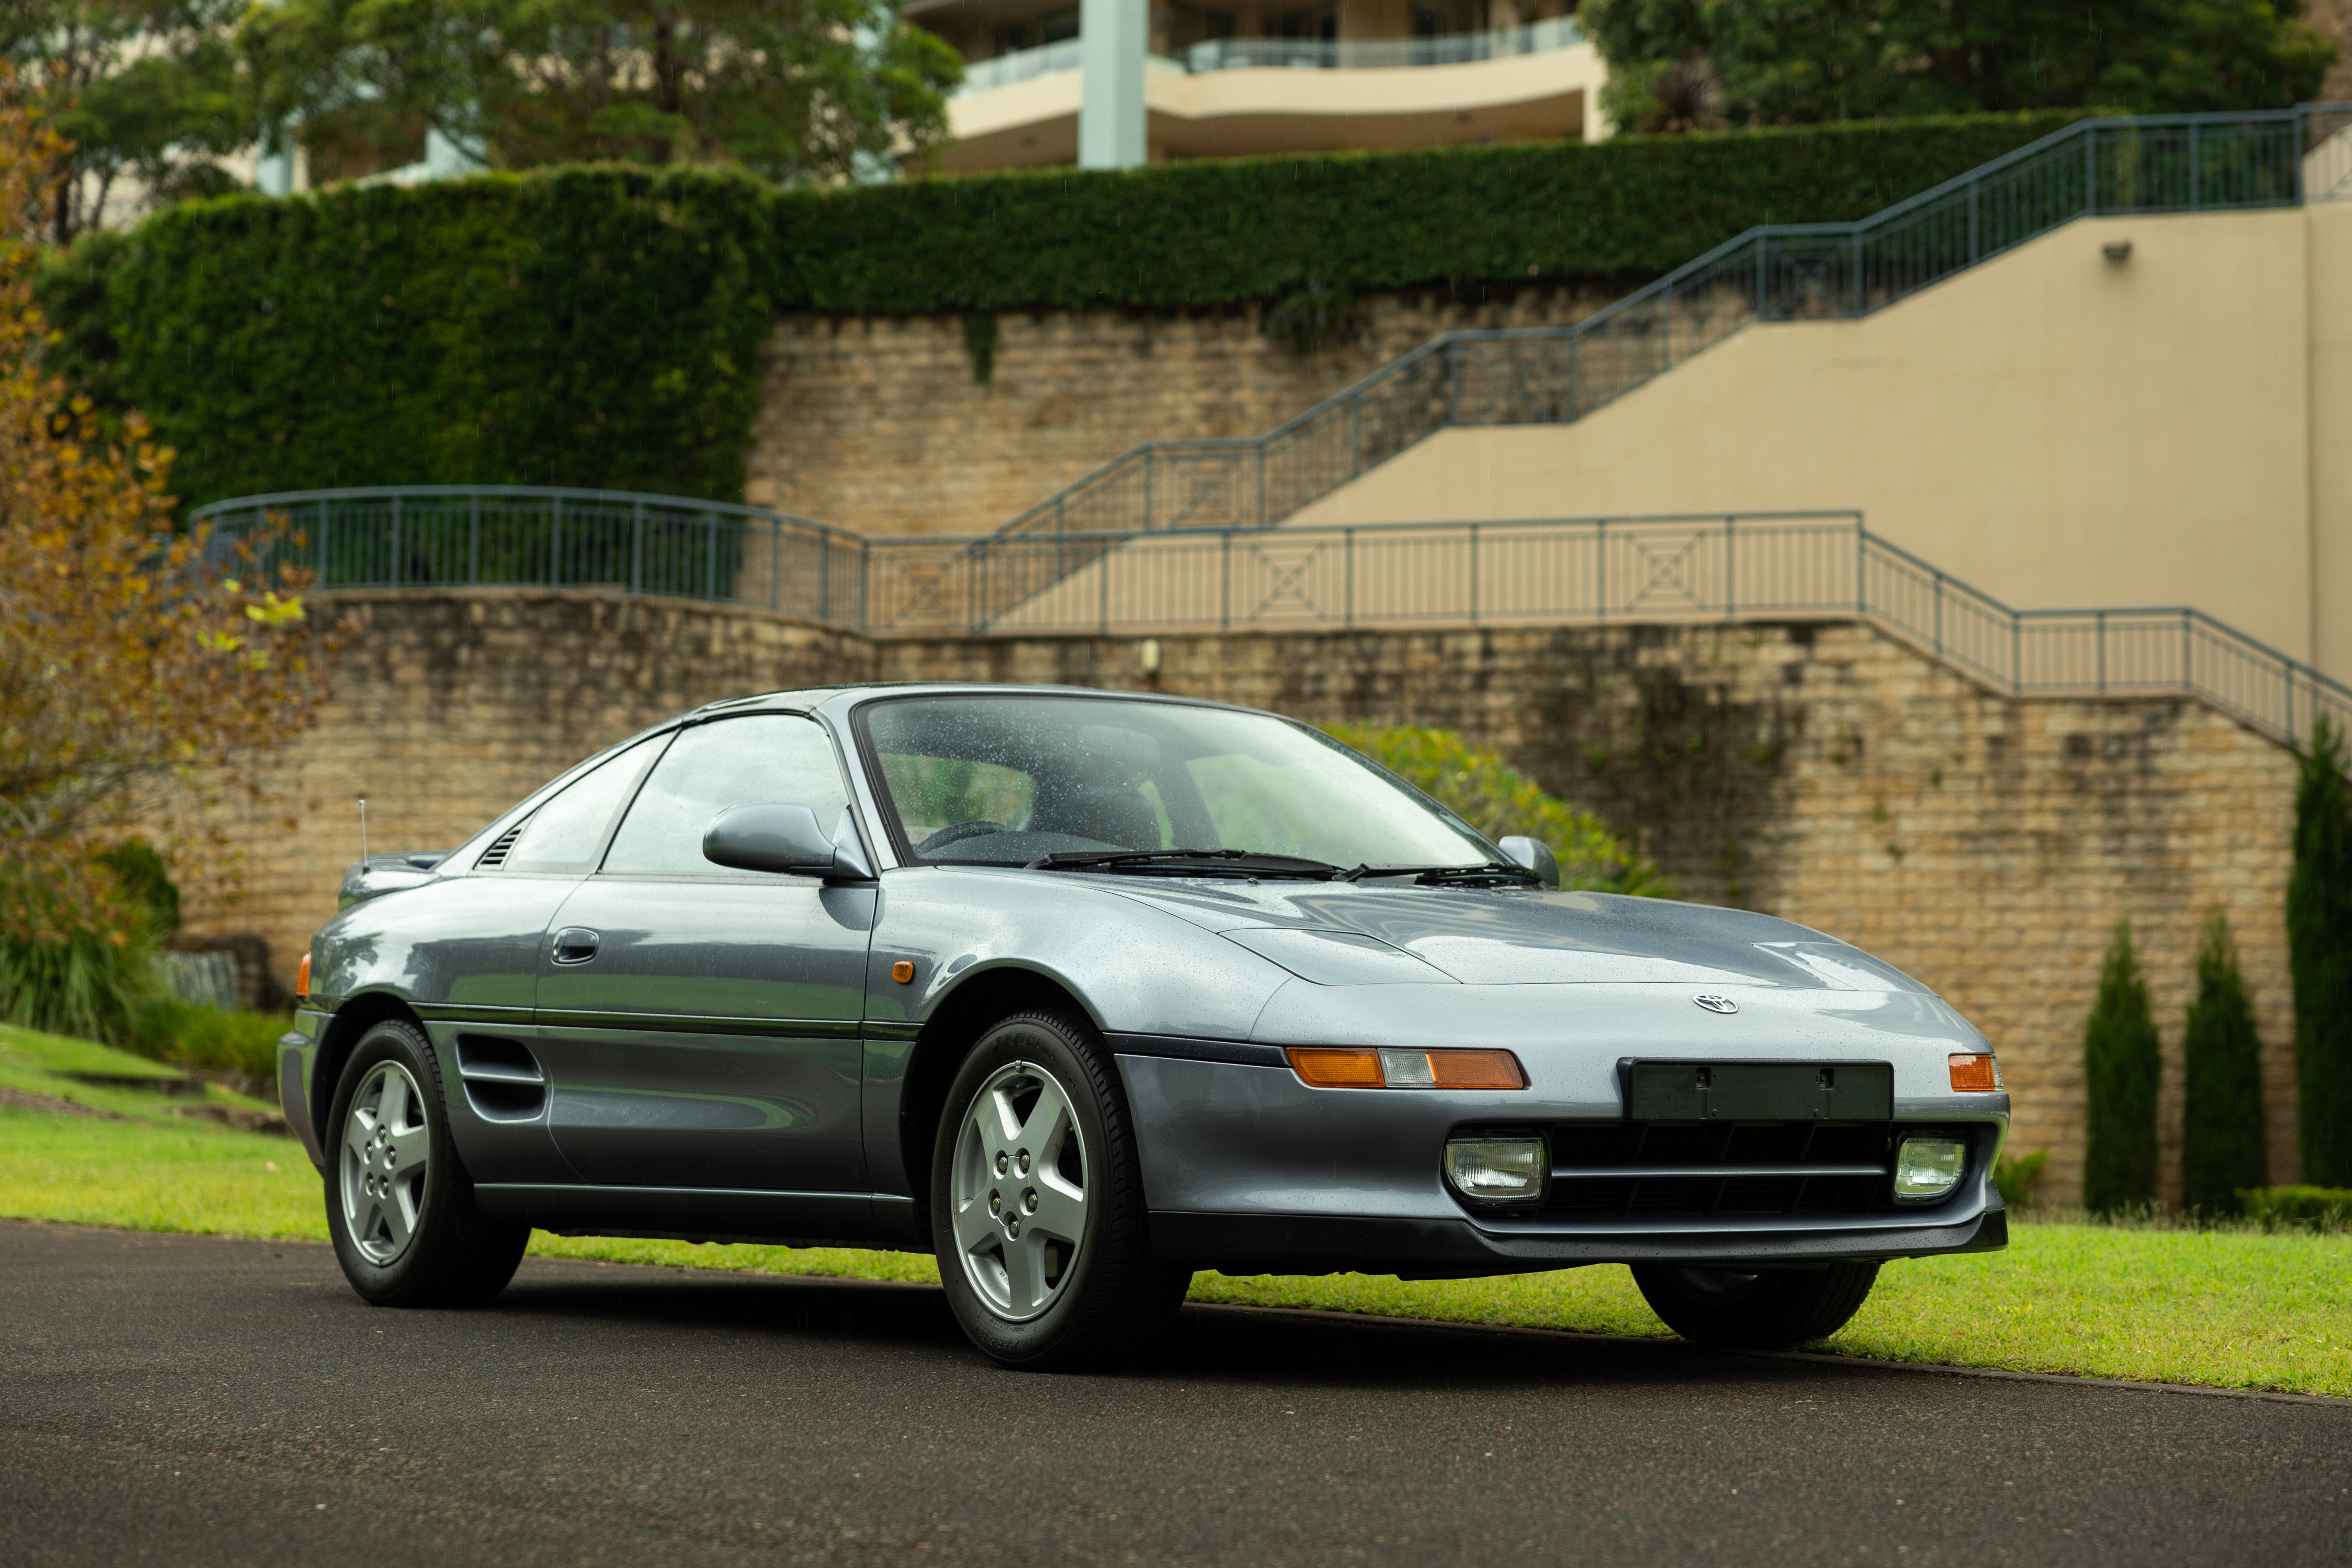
1019, 1191
387, 1151
1037, 1208
400, 1205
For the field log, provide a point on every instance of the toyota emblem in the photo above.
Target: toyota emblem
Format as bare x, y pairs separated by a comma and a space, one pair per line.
1715, 1003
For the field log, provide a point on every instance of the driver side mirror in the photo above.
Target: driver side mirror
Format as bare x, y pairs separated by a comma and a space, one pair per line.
1535, 855
785, 838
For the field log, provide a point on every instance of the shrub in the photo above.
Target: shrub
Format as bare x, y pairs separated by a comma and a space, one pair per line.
2222, 1149
2014, 1176
2319, 958
2315, 1209
87, 981
238, 1045
1497, 799
2120, 1068
602, 326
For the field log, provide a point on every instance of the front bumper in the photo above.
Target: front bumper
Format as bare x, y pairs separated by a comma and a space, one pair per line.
1457, 1248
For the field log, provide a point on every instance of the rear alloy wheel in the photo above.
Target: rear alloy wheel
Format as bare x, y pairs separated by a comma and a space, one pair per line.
1763, 1311
400, 1206
1037, 1208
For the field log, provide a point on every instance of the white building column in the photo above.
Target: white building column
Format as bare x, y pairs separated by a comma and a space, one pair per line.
1111, 117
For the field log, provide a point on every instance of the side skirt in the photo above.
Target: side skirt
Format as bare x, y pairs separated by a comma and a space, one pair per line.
709, 1214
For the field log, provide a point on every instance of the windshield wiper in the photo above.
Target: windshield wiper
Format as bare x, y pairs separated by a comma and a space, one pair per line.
1488, 872
1230, 862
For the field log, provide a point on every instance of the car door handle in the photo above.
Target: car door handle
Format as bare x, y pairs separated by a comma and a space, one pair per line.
575, 945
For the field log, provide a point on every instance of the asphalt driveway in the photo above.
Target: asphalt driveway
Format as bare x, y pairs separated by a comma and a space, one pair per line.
196, 1401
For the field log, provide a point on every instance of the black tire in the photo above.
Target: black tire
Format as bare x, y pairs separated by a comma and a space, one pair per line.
1106, 1299
407, 1238
1762, 1312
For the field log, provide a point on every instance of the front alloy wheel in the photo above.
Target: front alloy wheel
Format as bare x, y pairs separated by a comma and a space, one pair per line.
1019, 1191
1036, 1198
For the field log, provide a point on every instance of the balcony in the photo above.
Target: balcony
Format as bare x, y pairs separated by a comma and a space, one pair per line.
1234, 97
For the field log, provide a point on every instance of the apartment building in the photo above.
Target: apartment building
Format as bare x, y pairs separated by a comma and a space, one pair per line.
1269, 76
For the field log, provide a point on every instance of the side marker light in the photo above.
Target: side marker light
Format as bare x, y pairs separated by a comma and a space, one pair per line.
903, 973
302, 980
1328, 1066
1977, 1073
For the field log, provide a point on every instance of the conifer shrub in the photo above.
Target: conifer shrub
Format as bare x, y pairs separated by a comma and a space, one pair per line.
2120, 1069
2222, 1148
2319, 957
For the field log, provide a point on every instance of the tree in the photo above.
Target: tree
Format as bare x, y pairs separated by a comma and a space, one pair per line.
795, 90
146, 91
2223, 1144
144, 673
1776, 62
2319, 959
2120, 1069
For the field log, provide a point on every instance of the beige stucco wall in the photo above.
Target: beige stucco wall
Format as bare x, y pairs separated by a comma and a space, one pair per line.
2055, 428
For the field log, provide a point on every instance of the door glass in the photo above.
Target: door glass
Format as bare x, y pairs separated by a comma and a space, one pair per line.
759, 758
563, 835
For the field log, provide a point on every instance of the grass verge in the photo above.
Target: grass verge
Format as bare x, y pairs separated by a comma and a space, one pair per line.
2227, 1309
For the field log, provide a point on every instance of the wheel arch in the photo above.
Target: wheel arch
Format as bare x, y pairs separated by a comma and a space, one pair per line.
354, 1018
982, 999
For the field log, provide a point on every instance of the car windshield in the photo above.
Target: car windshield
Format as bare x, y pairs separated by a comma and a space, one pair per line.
1010, 780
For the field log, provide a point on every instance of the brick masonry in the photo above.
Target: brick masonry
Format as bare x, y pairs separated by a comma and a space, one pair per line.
881, 425
1825, 773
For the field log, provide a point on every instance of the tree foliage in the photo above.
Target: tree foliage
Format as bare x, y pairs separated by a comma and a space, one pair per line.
2223, 1146
794, 90
2319, 957
146, 91
1682, 63
2120, 1073
141, 676
1477, 785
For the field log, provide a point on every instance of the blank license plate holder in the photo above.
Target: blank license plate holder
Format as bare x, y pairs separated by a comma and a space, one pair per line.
1683, 1091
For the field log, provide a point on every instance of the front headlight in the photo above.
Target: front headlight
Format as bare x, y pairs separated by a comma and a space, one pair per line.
1928, 1169
1498, 1170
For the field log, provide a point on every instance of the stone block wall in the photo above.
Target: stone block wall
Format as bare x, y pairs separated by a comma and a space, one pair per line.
881, 426
1825, 773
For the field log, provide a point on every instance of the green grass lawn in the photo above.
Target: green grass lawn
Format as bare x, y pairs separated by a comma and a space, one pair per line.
2231, 1308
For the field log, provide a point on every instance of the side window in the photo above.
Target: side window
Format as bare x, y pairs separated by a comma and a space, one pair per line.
563, 834
757, 760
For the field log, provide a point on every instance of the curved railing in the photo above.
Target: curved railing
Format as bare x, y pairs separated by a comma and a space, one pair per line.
1713, 568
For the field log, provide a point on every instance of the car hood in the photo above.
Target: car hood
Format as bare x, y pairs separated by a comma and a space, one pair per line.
1375, 934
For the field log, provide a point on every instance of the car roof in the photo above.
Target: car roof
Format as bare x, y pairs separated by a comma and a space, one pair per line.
844, 697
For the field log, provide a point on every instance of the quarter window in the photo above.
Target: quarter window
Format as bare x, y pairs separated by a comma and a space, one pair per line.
760, 759
564, 834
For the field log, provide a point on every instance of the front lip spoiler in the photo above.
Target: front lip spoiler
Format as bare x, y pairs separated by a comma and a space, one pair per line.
1455, 1249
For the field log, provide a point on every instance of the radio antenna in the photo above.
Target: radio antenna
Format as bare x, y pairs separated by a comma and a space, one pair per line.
363, 854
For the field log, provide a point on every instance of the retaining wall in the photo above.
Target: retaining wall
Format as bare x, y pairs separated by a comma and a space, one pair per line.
1825, 773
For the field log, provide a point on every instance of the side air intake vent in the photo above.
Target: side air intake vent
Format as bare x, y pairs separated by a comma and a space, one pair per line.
495, 855
503, 1080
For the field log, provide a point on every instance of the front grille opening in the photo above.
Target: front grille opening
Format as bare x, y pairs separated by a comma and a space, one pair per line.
1666, 1169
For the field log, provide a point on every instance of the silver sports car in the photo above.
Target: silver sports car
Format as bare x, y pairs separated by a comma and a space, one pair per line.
1083, 992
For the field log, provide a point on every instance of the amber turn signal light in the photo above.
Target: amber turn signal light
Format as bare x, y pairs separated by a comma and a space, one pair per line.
1324, 1067
903, 973
1975, 1072
302, 980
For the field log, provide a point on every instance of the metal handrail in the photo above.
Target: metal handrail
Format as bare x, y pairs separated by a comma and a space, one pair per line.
1774, 273
1701, 568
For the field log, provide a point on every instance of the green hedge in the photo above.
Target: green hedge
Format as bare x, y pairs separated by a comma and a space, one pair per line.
601, 326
